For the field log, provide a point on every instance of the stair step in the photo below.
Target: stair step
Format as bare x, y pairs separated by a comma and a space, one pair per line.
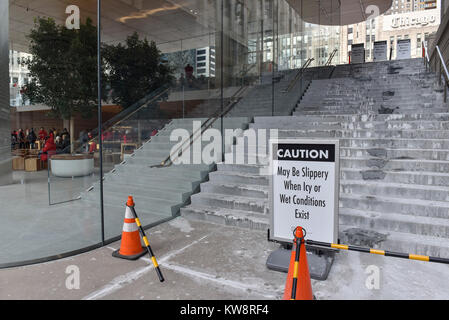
378, 203
400, 190
390, 221
238, 177
396, 153
237, 218
406, 177
235, 189
399, 241
234, 202
168, 207
396, 164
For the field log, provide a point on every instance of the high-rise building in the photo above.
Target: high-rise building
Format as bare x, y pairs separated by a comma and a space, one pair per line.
18, 76
205, 62
430, 4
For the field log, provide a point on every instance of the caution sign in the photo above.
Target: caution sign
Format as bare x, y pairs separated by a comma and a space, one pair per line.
304, 189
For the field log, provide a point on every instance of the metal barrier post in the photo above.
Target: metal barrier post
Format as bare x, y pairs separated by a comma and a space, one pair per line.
147, 245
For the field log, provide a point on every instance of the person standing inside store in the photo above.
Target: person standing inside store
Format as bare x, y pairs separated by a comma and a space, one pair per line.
21, 139
42, 134
32, 138
189, 74
49, 148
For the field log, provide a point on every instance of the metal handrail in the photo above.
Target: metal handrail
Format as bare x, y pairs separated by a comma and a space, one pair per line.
157, 96
426, 53
244, 73
158, 93
443, 64
298, 74
208, 123
332, 55
167, 162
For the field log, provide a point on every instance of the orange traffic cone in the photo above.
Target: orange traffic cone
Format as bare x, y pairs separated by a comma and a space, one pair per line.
298, 285
130, 247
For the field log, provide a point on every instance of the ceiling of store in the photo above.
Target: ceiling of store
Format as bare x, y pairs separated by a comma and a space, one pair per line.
168, 21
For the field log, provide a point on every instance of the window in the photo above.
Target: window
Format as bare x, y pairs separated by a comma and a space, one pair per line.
203, 58
201, 71
201, 64
201, 52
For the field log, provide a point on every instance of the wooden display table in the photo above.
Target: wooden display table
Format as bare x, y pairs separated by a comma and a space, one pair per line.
33, 164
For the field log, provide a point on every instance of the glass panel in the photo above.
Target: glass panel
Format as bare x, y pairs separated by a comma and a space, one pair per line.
50, 106
170, 72
165, 90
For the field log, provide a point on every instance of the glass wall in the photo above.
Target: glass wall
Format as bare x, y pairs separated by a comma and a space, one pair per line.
169, 70
53, 97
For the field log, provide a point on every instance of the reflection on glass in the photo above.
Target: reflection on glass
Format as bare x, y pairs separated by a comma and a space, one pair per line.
53, 96
170, 73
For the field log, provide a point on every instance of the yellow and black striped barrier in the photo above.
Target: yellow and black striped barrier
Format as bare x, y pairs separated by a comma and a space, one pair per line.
147, 245
377, 251
298, 241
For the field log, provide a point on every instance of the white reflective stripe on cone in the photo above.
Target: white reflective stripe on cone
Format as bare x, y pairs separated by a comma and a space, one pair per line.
130, 227
128, 213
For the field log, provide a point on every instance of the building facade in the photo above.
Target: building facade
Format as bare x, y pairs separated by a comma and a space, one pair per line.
405, 20
18, 76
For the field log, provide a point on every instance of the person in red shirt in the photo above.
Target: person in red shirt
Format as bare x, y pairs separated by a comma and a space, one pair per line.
42, 134
49, 148
92, 146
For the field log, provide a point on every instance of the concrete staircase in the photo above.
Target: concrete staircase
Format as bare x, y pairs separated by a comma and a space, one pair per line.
159, 192
259, 99
393, 131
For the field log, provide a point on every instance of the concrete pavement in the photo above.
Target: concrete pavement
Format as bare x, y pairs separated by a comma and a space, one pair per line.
206, 261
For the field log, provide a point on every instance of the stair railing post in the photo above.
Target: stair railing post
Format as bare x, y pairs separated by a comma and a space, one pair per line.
183, 101
445, 92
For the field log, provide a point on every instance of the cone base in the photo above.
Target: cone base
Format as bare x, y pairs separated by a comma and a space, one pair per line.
117, 254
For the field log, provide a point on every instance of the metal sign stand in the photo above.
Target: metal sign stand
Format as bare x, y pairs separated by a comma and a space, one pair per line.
320, 259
